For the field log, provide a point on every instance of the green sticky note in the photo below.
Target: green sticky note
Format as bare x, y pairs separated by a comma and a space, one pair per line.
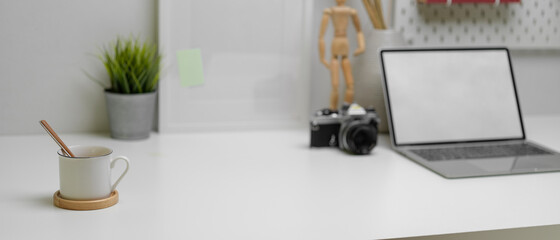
190, 67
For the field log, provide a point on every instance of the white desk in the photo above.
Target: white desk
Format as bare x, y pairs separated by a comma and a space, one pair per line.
268, 185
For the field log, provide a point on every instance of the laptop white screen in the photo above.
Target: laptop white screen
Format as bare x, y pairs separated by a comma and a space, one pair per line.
439, 96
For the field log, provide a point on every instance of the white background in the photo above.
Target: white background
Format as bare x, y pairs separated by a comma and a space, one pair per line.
45, 46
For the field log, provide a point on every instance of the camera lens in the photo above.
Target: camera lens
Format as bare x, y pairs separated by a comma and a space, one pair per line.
361, 139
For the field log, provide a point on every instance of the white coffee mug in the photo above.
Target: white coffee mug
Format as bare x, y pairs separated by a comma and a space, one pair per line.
88, 175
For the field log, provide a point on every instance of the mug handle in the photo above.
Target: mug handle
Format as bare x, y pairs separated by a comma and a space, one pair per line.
125, 170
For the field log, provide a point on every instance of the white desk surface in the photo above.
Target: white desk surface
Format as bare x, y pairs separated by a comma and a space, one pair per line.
268, 185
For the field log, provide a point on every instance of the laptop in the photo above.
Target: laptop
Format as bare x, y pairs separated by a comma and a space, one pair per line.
456, 112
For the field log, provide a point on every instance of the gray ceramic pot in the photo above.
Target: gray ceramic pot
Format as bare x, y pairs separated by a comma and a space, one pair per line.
130, 115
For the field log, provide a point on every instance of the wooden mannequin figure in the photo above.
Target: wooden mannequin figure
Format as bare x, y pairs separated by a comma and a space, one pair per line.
340, 15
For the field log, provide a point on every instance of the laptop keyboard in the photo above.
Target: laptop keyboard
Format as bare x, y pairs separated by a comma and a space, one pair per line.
474, 152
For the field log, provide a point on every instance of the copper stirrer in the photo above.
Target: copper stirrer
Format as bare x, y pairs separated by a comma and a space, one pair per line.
65, 150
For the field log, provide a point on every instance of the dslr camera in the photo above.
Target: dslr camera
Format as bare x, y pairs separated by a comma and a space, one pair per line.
354, 130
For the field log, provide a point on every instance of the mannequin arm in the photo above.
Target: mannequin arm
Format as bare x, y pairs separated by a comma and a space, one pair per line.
324, 24
360, 35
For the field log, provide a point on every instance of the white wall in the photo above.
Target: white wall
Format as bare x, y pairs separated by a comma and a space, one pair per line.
45, 46
537, 74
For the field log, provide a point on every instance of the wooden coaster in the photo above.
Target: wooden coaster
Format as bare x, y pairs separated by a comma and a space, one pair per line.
86, 204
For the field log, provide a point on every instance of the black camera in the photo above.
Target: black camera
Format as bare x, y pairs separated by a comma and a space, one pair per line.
354, 130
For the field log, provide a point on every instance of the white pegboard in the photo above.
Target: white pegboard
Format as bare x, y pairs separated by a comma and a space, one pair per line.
532, 24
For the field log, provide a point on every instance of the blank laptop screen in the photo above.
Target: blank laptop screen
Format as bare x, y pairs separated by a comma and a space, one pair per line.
442, 96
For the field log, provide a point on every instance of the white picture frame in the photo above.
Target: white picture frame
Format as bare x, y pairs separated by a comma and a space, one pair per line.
255, 55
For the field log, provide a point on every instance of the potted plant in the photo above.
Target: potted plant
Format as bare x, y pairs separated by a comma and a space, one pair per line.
133, 68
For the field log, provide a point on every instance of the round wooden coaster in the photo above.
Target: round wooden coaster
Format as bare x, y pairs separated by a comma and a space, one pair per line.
86, 204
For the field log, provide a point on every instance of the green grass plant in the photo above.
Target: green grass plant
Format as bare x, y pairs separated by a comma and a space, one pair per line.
133, 66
